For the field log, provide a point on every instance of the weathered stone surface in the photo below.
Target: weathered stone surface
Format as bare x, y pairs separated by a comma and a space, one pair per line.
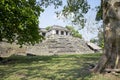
60, 45
51, 46
7, 49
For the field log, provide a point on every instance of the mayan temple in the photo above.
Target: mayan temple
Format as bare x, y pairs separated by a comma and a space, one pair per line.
58, 40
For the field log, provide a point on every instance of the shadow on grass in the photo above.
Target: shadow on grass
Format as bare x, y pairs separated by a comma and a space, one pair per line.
75, 74
44, 70
22, 73
25, 59
29, 59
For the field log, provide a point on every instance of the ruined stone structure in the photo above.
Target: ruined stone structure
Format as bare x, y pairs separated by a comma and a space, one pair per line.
7, 49
59, 41
60, 45
55, 30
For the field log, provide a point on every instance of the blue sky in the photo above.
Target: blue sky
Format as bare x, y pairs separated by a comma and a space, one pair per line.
48, 18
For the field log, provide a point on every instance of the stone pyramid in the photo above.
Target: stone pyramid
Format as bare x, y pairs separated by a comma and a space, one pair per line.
60, 45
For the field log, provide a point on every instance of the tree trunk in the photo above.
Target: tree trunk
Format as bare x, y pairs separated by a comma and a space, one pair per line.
111, 20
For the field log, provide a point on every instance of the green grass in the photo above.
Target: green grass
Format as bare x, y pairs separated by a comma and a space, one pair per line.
62, 67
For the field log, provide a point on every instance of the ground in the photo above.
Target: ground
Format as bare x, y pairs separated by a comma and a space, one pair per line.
57, 67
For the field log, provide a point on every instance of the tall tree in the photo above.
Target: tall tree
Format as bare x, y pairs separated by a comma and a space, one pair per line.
111, 18
110, 14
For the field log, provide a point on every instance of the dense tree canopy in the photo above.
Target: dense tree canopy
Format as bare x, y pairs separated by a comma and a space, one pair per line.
19, 21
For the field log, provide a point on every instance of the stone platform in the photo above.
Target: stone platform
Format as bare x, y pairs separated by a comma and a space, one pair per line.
56, 45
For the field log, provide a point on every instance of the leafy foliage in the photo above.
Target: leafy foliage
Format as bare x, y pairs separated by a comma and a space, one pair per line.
75, 33
74, 10
48, 27
100, 40
46, 3
19, 21
99, 12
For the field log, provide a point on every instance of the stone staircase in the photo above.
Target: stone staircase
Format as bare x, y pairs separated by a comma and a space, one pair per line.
60, 45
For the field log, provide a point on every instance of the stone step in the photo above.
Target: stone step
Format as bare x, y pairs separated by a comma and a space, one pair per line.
61, 45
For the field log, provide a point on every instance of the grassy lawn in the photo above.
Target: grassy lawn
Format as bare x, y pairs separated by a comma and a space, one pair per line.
62, 67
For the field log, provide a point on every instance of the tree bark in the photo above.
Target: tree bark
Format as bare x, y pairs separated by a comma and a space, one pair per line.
111, 21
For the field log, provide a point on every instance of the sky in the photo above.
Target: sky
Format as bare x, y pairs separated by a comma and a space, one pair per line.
48, 18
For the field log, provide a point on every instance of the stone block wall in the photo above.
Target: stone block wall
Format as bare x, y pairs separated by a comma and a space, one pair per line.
7, 49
